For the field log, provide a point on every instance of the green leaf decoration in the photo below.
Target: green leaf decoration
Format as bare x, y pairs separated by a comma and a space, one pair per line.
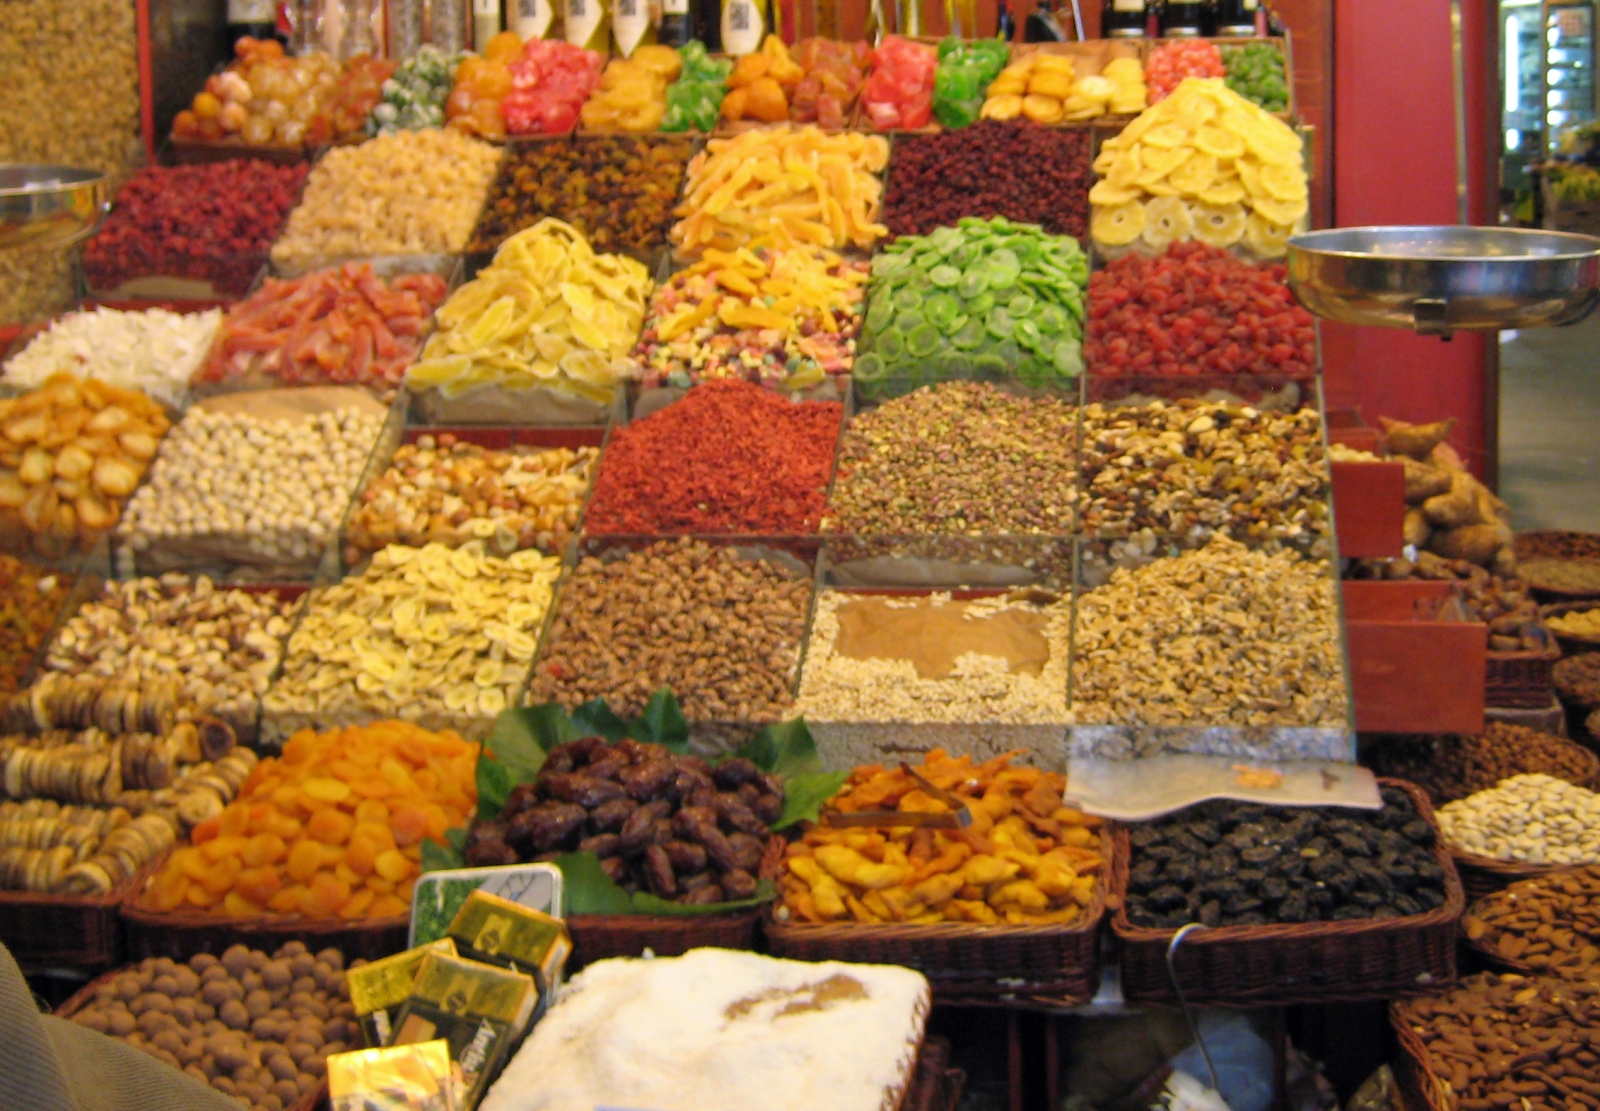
646, 903
784, 750
441, 858
596, 719
662, 723
803, 796
495, 781
588, 890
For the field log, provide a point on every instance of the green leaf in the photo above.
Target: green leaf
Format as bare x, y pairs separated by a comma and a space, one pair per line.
784, 749
495, 781
646, 903
803, 796
440, 858
595, 719
588, 889
663, 723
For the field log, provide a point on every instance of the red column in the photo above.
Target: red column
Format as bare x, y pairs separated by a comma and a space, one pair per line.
1394, 162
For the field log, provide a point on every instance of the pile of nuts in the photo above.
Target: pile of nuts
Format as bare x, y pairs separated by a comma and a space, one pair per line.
1231, 864
436, 635
670, 825
1577, 681
1504, 603
1506, 1041
100, 440
1549, 923
233, 489
1191, 468
979, 688
254, 1027
441, 490
959, 458
1535, 819
722, 632
221, 647
1220, 635
30, 598
406, 193
1451, 767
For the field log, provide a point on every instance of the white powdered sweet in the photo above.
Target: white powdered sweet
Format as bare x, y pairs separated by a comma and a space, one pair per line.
154, 351
720, 1030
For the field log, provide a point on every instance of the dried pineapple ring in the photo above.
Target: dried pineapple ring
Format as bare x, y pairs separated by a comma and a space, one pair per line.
1050, 83
1160, 189
1103, 161
1218, 142
1095, 88
1163, 160
1250, 177
1124, 71
1195, 111
1006, 106
1279, 212
1223, 191
1013, 81
1265, 238
1042, 109
1117, 226
1166, 220
1166, 135
1218, 225
1054, 63
1124, 171
1197, 173
1106, 194
1284, 183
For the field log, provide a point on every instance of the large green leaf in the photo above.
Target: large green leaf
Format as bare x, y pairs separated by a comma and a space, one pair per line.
646, 903
803, 796
785, 749
587, 888
595, 719
440, 858
495, 781
662, 723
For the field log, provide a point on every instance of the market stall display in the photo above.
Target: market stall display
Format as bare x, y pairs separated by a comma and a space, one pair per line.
962, 77
347, 325
1562, 566
1222, 316
761, 83
1451, 767
730, 457
448, 490
219, 647
1256, 72
405, 193
781, 1034
694, 100
1033, 175
359, 89
252, 1025
1544, 926
153, 351
264, 98
1206, 164
898, 95
481, 83
1530, 819
207, 226
543, 331
632, 94
712, 320
816, 83
258, 487
985, 299
332, 828
726, 205
618, 191
68, 495
1169, 64
549, 83
1047, 88
30, 599
721, 629
414, 96
669, 825
440, 635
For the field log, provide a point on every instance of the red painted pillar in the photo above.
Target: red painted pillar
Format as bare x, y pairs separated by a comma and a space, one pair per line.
1394, 162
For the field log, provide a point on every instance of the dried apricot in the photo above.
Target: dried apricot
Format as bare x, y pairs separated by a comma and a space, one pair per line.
332, 827
259, 885
326, 895
392, 865
326, 790
387, 906
304, 860
264, 848
356, 904
410, 825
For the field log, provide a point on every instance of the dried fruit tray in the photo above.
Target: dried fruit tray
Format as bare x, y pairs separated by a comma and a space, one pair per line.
82, 931
1279, 965
181, 935
967, 963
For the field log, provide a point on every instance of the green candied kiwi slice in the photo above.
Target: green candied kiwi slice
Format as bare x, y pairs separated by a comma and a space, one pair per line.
890, 345
958, 322
1027, 334
981, 304
923, 341
943, 240
940, 309
971, 335
944, 275
989, 366
887, 264
1009, 353
973, 283
1000, 324
907, 299
1050, 319
869, 367
879, 315
909, 319
950, 366
965, 255
1021, 305
1067, 358
1034, 371
1004, 261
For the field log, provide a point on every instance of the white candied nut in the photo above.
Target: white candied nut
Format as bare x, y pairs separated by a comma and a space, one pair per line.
1536, 819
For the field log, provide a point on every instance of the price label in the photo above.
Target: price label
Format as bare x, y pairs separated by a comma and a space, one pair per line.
534, 18
675, 7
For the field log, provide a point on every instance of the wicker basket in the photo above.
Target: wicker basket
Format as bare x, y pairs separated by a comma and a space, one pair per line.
180, 936
1571, 547
1281, 965
1484, 875
595, 937
964, 962
1573, 645
1519, 680
1419, 1090
82, 931
82, 997
1490, 956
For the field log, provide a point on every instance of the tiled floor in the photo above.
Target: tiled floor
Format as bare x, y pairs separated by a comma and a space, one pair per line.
1550, 426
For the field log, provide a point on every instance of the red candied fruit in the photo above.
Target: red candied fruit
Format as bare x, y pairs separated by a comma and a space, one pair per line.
1196, 311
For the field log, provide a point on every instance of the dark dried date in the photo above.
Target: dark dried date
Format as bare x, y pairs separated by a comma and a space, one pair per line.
686, 857
601, 844
639, 830
732, 774
609, 816
648, 780
658, 872
738, 883
584, 790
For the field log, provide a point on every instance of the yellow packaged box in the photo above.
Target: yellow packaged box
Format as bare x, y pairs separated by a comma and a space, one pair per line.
378, 989
498, 931
399, 1078
482, 1010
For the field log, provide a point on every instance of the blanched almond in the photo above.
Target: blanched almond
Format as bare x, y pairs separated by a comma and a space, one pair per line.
115, 476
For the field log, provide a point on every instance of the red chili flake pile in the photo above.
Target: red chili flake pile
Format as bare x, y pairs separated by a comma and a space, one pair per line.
211, 222
1196, 310
730, 457
1013, 168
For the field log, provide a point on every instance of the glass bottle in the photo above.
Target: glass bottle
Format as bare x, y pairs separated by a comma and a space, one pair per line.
307, 22
631, 26
1186, 19
256, 18
743, 27
357, 36
486, 22
1005, 26
677, 23
1122, 19
405, 28
533, 19
588, 24
448, 25
1237, 18
1042, 25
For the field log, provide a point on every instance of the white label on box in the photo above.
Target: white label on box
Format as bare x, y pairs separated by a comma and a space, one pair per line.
534, 18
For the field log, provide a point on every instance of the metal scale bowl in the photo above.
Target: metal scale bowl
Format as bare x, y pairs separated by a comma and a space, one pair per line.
49, 206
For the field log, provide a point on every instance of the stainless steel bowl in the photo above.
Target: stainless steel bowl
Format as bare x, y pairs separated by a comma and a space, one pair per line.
48, 206
1441, 279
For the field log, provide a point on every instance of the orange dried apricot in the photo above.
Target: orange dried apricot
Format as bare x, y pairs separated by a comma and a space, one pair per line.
326, 895
259, 885
410, 825
264, 848
372, 810
386, 906
304, 860
331, 827
392, 865
355, 906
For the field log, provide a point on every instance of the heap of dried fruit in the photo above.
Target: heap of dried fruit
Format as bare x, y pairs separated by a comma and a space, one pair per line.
549, 84
1045, 88
413, 97
264, 98
963, 76
899, 94
332, 828
1024, 860
30, 598
694, 100
760, 84
481, 83
1171, 62
633, 91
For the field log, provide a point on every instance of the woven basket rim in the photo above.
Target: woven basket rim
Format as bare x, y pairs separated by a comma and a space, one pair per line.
1551, 653
1522, 870
1454, 905
133, 911
1087, 922
1558, 609
1413, 1050
80, 999
114, 899
1488, 952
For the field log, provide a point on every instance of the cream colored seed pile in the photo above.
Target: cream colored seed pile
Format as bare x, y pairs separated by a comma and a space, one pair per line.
441, 636
1222, 635
979, 689
1533, 818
